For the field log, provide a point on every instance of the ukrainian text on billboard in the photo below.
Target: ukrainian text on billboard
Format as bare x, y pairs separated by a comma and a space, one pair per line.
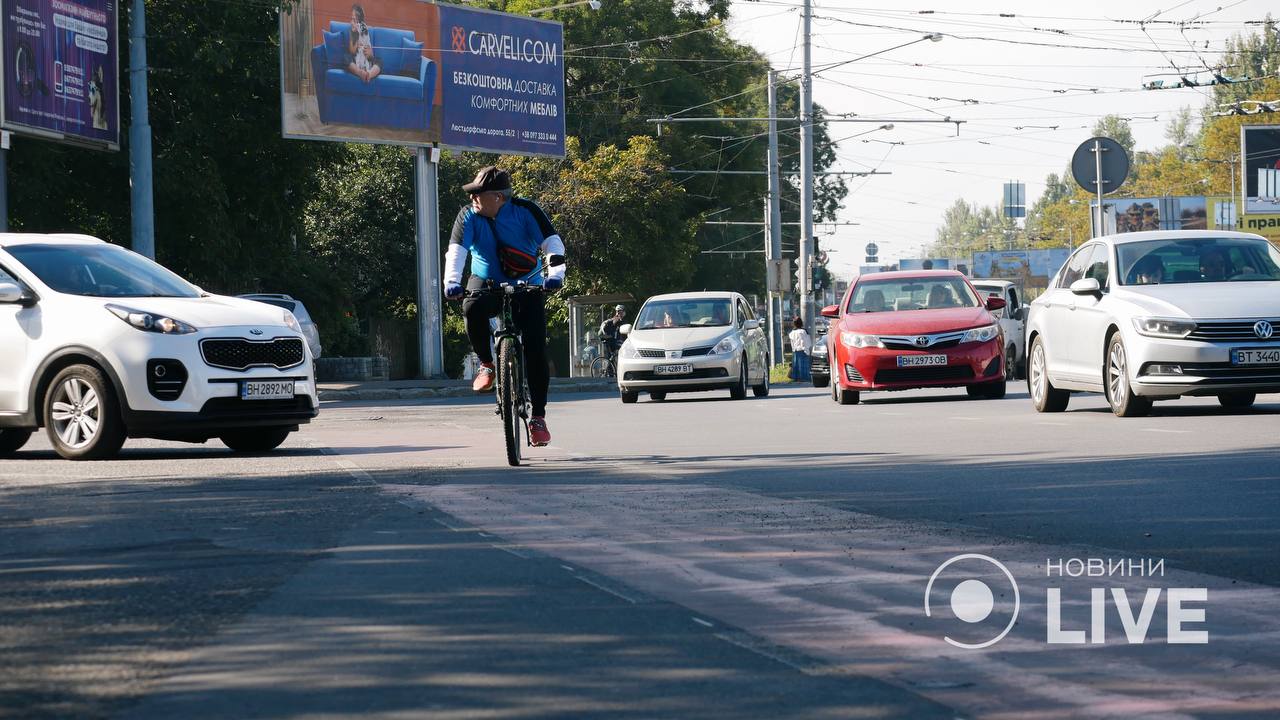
60, 72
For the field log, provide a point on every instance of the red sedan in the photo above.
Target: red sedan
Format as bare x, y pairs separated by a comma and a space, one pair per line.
914, 329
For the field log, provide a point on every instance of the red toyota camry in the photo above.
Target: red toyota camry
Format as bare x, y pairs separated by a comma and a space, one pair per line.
914, 329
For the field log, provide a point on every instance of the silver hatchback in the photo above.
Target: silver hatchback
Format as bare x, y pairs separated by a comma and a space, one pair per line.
688, 342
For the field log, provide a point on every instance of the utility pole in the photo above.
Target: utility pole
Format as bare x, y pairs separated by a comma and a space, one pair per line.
806, 177
775, 223
142, 209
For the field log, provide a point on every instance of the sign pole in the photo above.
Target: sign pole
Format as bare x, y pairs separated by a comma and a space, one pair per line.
427, 222
4, 184
142, 207
1097, 157
775, 227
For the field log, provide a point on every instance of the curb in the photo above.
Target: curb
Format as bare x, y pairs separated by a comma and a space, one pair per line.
370, 394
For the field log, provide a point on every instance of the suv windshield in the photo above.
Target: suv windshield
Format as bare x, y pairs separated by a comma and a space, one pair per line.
100, 271
1162, 262
911, 294
710, 312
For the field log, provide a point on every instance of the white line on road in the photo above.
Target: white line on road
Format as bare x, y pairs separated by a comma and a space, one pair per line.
700, 621
616, 592
1161, 430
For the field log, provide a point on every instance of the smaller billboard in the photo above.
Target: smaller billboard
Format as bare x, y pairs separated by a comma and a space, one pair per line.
1015, 200
1127, 215
924, 264
59, 71
1032, 268
1260, 158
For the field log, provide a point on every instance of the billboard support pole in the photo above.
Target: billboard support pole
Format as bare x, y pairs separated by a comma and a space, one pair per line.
142, 207
427, 223
4, 187
775, 225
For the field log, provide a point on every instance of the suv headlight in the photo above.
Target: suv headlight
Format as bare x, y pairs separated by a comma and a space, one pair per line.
629, 351
148, 322
1163, 327
981, 334
856, 340
292, 322
727, 345
819, 348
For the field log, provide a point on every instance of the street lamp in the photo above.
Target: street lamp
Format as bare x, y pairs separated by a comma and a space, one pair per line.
593, 4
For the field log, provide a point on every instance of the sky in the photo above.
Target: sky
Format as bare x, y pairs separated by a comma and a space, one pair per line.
1028, 88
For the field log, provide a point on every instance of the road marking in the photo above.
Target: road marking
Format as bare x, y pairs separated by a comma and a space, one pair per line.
1052, 424
965, 417
566, 567
1161, 430
700, 621
764, 649
342, 462
614, 591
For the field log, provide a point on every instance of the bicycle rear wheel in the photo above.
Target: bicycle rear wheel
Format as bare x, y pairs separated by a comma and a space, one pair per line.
509, 385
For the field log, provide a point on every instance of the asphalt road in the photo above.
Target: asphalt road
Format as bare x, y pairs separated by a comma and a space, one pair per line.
693, 558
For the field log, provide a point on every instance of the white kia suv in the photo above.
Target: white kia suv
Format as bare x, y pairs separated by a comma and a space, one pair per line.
98, 343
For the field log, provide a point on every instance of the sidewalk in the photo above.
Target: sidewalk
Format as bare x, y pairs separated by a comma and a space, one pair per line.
423, 389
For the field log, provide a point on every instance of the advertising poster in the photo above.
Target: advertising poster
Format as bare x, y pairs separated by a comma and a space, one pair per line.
924, 264
1260, 158
416, 73
60, 72
1032, 268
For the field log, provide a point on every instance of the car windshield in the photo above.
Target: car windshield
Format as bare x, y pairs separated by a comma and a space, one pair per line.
709, 312
100, 271
290, 306
911, 294
1163, 262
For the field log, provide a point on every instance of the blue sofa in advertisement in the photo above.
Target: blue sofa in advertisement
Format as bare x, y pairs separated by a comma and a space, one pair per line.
399, 97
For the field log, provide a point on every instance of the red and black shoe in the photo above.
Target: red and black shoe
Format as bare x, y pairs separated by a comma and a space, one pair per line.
539, 435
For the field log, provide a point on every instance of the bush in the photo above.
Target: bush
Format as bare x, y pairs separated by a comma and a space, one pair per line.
778, 373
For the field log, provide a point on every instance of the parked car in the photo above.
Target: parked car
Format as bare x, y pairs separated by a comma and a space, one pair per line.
914, 329
687, 342
819, 367
1012, 321
1149, 316
309, 329
98, 344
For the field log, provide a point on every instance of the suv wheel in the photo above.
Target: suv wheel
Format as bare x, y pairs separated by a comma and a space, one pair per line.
255, 440
82, 415
12, 440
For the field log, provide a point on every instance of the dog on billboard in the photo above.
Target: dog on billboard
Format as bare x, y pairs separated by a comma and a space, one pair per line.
97, 100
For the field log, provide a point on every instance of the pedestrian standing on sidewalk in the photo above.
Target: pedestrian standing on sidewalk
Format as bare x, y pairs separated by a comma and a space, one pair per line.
800, 344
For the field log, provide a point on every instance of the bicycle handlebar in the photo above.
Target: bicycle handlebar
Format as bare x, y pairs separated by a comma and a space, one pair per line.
503, 289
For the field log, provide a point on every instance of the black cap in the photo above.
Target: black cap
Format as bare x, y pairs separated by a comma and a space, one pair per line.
490, 177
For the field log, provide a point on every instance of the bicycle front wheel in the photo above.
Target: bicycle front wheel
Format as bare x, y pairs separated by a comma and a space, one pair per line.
599, 367
509, 385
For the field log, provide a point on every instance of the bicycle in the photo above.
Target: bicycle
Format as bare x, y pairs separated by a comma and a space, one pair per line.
603, 366
511, 384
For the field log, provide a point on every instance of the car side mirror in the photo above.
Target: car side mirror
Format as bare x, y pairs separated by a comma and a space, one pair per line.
625, 329
831, 311
11, 294
1015, 314
751, 324
1086, 286
995, 303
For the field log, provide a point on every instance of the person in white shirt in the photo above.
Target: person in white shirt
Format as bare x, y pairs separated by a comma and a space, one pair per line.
800, 344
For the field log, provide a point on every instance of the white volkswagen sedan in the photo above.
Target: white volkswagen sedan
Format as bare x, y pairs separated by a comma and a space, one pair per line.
98, 344
694, 341
1158, 315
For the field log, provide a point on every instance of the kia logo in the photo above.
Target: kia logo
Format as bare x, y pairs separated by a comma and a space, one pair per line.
1263, 329
255, 331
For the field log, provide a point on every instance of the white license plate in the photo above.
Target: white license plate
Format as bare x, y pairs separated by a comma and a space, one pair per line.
266, 390
921, 360
1255, 356
684, 369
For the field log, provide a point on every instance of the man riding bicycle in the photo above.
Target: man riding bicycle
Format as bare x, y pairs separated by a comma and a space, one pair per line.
504, 235
610, 332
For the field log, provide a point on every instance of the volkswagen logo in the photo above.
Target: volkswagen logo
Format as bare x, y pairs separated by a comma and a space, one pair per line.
1263, 329
922, 341
255, 331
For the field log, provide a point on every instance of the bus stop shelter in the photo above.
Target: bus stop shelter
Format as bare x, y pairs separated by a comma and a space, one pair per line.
586, 313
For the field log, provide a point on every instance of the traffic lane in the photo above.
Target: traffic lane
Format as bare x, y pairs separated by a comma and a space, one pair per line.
1194, 483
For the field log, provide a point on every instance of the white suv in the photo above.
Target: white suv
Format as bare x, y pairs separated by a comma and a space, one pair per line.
98, 344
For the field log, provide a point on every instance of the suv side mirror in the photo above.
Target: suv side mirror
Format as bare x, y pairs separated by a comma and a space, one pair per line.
831, 311
751, 324
625, 329
11, 294
1086, 286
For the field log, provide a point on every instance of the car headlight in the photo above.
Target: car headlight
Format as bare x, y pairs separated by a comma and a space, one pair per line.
629, 351
727, 345
149, 322
292, 322
1163, 327
981, 334
857, 340
820, 349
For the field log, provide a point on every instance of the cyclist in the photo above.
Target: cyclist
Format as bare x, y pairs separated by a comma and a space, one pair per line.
609, 332
504, 235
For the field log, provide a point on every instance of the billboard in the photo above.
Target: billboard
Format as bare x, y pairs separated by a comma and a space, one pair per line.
924, 264
416, 73
1260, 158
60, 72
1127, 215
1032, 268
